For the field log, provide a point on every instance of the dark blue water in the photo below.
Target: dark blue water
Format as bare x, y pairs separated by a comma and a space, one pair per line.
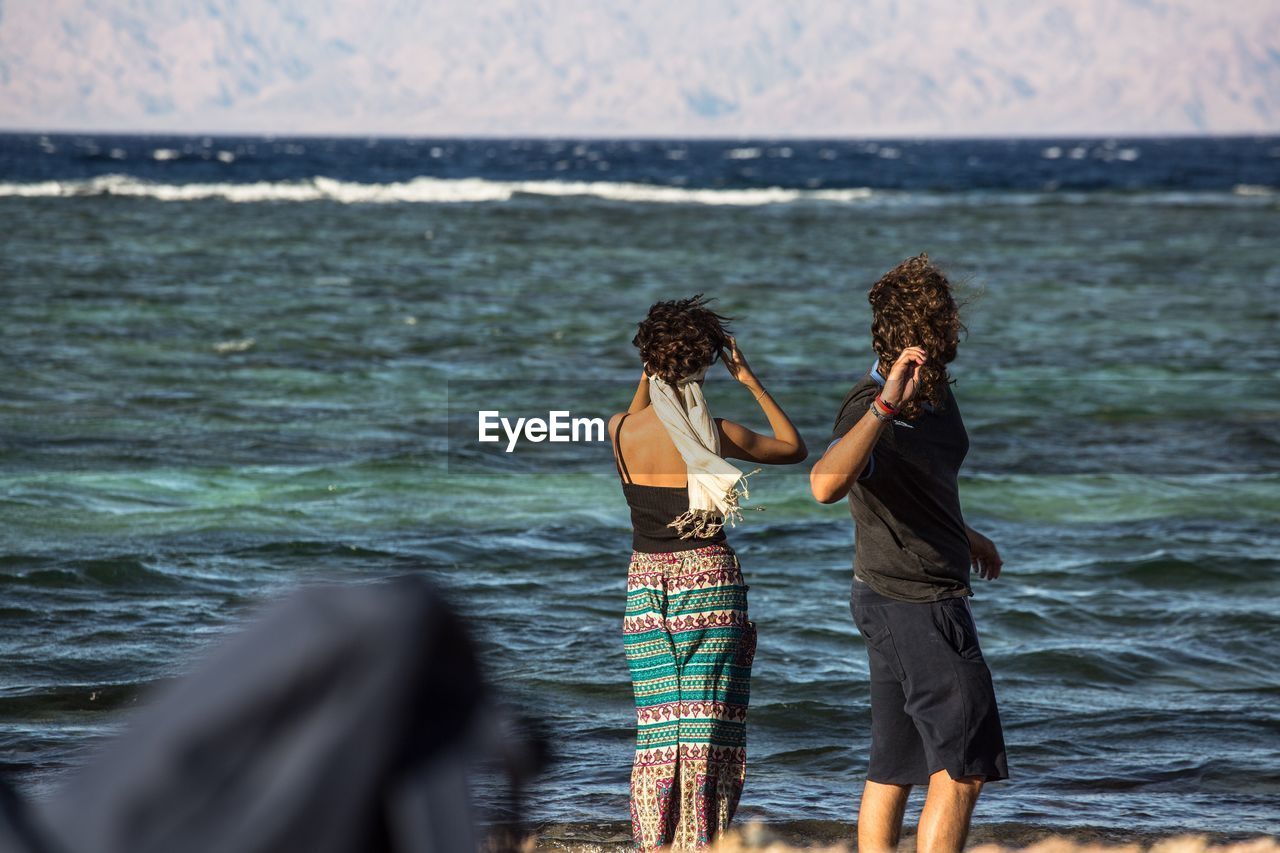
922, 165
236, 365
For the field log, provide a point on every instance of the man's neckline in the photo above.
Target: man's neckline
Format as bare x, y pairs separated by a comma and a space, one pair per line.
875, 372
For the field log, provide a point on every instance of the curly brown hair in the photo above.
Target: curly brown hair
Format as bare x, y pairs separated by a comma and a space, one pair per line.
681, 336
912, 305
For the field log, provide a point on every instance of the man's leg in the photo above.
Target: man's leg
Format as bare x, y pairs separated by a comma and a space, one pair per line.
952, 701
880, 816
897, 751
944, 821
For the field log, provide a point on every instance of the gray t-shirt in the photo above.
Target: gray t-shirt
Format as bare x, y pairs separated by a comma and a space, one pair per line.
909, 535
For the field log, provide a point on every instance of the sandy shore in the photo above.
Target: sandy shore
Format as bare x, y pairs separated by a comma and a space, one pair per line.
832, 836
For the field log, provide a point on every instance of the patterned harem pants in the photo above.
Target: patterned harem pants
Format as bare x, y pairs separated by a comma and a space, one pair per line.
689, 647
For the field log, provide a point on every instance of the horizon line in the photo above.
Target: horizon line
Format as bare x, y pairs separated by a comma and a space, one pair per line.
651, 137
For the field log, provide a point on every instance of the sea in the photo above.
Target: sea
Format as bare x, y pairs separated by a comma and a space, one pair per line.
232, 366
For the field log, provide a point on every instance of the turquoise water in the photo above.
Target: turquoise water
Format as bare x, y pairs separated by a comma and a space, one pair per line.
206, 403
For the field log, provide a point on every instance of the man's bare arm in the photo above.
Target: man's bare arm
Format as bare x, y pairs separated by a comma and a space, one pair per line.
835, 473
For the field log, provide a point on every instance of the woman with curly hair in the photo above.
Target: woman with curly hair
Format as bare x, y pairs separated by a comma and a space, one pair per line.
688, 640
896, 453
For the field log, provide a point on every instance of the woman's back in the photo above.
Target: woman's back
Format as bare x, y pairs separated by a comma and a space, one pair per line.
651, 457
655, 484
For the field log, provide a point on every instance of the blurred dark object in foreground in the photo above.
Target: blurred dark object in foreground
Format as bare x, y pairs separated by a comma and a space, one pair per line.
344, 720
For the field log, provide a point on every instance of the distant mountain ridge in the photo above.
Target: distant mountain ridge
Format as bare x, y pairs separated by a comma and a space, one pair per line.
715, 67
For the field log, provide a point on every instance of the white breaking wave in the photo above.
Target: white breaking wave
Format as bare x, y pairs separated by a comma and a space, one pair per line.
480, 190
419, 190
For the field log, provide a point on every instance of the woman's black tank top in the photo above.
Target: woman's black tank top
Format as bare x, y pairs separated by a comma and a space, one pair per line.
653, 508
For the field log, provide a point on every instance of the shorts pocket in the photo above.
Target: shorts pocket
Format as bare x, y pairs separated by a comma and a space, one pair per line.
955, 624
878, 638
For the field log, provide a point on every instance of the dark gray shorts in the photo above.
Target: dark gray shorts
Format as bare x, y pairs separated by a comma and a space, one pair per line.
933, 706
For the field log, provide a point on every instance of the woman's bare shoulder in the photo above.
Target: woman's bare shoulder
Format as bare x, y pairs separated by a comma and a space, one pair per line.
614, 421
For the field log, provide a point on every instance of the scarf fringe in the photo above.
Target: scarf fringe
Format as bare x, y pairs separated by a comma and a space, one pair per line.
705, 523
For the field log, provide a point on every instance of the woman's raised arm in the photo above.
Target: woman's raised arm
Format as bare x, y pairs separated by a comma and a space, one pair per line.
784, 447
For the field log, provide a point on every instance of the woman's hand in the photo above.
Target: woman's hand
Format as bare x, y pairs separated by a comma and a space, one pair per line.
903, 382
736, 363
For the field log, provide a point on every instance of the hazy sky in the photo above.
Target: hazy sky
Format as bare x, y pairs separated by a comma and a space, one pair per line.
631, 67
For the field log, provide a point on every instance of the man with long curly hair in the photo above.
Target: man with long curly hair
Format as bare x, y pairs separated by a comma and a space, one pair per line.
896, 453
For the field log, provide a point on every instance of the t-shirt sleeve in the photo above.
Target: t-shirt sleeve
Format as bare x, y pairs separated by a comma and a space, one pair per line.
854, 407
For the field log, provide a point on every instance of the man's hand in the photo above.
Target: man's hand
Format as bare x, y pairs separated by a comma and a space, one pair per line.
902, 383
983, 556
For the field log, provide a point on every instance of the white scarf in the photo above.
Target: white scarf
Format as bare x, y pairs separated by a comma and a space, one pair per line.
714, 489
